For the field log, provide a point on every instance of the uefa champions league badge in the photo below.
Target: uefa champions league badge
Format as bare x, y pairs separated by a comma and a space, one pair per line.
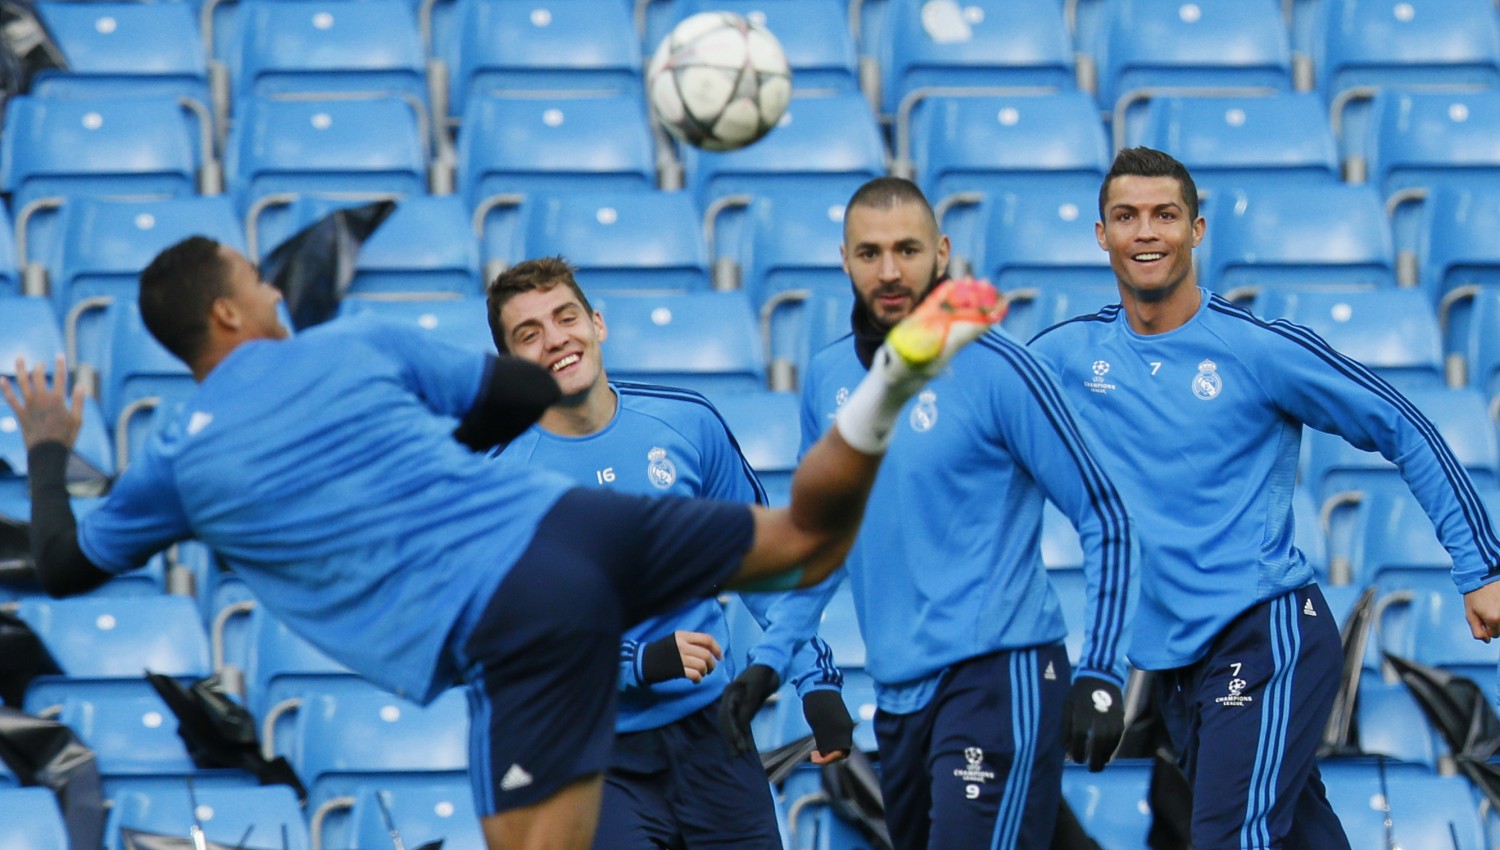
1207, 384
660, 471
924, 415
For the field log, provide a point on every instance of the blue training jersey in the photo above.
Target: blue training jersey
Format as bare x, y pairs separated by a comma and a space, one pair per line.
947, 564
1202, 426
323, 471
668, 441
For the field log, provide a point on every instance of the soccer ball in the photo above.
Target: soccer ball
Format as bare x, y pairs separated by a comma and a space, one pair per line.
718, 81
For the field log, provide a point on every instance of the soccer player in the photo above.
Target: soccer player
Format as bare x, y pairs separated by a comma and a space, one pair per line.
327, 472
674, 779
1198, 406
975, 694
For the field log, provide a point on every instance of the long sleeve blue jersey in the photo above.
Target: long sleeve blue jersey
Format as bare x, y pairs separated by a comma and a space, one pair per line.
947, 564
667, 441
1201, 428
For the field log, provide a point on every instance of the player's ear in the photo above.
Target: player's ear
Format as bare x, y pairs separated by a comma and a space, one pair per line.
600, 329
1099, 236
1199, 227
844, 257
944, 247
225, 314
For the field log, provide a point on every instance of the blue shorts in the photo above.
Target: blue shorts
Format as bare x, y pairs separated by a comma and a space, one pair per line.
541, 663
980, 766
682, 786
1247, 719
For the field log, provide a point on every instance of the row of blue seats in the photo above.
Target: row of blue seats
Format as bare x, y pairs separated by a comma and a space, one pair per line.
593, 44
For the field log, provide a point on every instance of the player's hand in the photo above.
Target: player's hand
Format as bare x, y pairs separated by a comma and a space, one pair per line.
1482, 609
833, 728
680, 655
1093, 722
744, 696
44, 412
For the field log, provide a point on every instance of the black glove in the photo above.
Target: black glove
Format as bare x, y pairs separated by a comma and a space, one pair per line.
1093, 722
744, 696
829, 718
661, 661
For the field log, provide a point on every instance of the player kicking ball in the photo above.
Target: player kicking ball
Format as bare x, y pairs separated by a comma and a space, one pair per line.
325, 471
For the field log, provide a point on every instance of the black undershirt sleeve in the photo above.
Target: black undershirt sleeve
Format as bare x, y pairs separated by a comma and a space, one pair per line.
61, 565
515, 394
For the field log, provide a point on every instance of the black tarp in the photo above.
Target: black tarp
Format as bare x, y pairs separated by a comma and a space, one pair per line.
314, 267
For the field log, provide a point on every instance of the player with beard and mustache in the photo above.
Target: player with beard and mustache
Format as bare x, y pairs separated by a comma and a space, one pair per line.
976, 695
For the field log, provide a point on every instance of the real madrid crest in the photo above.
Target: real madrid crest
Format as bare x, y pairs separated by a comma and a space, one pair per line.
925, 414
660, 471
1207, 384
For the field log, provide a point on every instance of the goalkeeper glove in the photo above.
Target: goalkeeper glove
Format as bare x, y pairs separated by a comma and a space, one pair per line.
1094, 721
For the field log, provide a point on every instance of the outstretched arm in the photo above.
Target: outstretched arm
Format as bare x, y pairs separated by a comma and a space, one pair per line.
50, 420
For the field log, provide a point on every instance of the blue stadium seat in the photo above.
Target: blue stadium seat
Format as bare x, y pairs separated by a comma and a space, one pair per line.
137, 375
1421, 139
829, 144
422, 812
1356, 791
1479, 343
354, 740
103, 244
766, 426
1043, 239
10, 264
649, 334
516, 146
30, 330
1455, 244
32, 819
1394, 332
103, 42
456, 321
1331, 465
552, 46
1158, 45
1440, 637
801, 325
1309, 235
1394, 545
137, 147
1243, 141
1391, 724
991, 43
1429, 811
324, 146
425, 246
1031, 310
267, 816
1007, 143
1422, 43
622, 240
134, 738
369, 46
814, 34
1111, 805
277, 663
107, 644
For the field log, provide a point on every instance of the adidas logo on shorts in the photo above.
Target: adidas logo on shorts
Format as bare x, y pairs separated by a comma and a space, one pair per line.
516, 777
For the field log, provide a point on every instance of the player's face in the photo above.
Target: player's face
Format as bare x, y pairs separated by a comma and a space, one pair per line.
551, 327
1148, 235
254, 299
893, 256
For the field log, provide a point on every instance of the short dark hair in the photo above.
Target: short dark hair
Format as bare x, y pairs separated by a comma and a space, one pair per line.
883, 193
529, 276
1147, 162
177, 292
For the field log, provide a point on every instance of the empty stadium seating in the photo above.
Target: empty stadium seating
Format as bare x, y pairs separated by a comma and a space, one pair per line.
422, 812
32, 819
1001, 143
1159, 45
369, 46
1478, 343
622, 241
231, 816
1454, 247
989, 44
1043, 239
102, 45
765, 424
1243, 141
425, 246
1303, 236
814, 34
704, 341
1111, 806
456, 321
